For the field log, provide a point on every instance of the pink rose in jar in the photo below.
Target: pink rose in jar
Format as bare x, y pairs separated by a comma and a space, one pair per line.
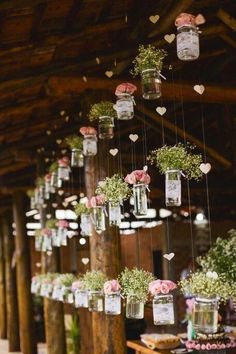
88, 131
130, 178
164, 288
213, 346
64, 161
125, 88
155, 287
63, 224
47, 177
138, 176
189, 19
111, 286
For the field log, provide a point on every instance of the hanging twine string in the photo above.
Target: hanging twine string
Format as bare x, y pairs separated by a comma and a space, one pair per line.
174, 103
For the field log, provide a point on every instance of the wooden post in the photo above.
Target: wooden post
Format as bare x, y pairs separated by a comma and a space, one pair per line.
11, 293
108, 331
27, 334
3, 316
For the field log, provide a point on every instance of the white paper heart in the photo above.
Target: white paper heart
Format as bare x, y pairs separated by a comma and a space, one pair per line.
212, 275
169, 37
63, 151
109, 73
67, 118
97, 60
54, 205
60, 192
145, 168
46, 159
58, 141
133, 137
85, 78
48, 132
49, 253
85, 260
62, 113
169, 256
205, 167
113, 152
154, 18
48, 216
161, 110
199, 89
38, 264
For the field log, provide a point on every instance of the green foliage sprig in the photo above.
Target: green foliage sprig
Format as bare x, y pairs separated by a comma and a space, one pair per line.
74, 142
39, 181
65, 279
148, 58
103, 108
30, 193
177, 157
221, 257
80, 208
200, 284
114, 189
94, 280
53, 167
51, 224
135, 282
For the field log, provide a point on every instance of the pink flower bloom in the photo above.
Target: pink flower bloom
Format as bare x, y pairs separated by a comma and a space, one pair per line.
190, 303
213, 346
63, 224
88, 131
46, 232
208, 346
170, 284
77, 285
198, 346
188, 19
222, 346
138, 176
155, 287
94, 201
111, 286
64, 162
47, 177
125, 88
161, 286
203, 346
164, 288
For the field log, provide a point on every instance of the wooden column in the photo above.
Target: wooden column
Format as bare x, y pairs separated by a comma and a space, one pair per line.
11, 293
3, 315
108, 331
27, 335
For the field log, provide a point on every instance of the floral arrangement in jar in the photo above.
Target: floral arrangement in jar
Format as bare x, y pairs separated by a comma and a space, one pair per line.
76, 145
47, 186
148, 63
39, 191
90, 141
140, 180
94, 281
80, 293
47, 284
64, 282
31, 194
38, 238
84, 213
36, 284
103, 112
125, 101
111, 290
188, 36
97, 203
134, 284
163, 309
62, 231
174, 161
63, 172
115, 190
53, 168
51, 227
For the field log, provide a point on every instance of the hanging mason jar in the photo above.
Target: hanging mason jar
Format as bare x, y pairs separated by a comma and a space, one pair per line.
77, 158
64, 173
140, 199
114, 214
99, 219
134, 307
106, 127
113, 303
54, 179
47, 188
86, 225
90, 145
38, 243
32, 202
62, 235
163, 310
205, 315
57, 292
56, 241
125, 106
47, 243
41, 195
173, 188
81, 298
35, 287
188, 42
95, 301
151, 84
49, 291
68, 297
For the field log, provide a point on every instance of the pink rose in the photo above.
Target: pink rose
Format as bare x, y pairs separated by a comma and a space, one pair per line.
125, 88
130, 178
88, 131
189, 19
138, 176
164, 288
197, 346
100, 199
47, 177
76, 285
63, 224
213, 346
208, 346
222, 346
155, 287
170, 284
64, 162
190, 303
203, 346
111, 286
46, 232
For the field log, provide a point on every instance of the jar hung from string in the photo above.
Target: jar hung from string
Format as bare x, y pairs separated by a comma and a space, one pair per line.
125, 101
89, 141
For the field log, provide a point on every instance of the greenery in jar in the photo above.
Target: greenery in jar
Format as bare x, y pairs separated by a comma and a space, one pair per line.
103, 108
51, 224
81, 208
148, 58
94, 280
74, 142
114, 189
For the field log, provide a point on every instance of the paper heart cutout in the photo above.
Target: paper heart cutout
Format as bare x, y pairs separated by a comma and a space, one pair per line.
169, 37
63, 151
154, 18
205, 167
44, 206
60, 192
145, 168
199, 89
48, 216
133, 137
54, 205
67, 118
212, 275
113, 152
48, 132
58, 141
97, 60
49, 253
85, 260
46, 159
109, 73
85, 78
161, 110
38, 264
169, 256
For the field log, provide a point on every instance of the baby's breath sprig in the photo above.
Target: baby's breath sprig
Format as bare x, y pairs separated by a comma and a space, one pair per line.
177, 157
94, 280
65, 279
80, 208
114, 189
51, 224
74, 142
103, 108
148, 58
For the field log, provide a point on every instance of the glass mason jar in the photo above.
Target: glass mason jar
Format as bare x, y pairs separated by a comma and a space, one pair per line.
36, 196
173, 188
95, 301
106, 127
38, 243
47, 243
188, 42
56, 293
163, 310
41, 195
49, 291
205, 315
56, 242
77, 158
114, 214
47, 189
32, 202
90, 145
86, 225
134, 307
64, 173
113, 304
99, 219
62, 235
151, 84
68, 297
54, 179
81, 298
140, 199
125, 106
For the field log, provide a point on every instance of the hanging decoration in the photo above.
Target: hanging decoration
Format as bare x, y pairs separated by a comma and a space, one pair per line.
199, 89
94, 282
90, 141
47, 186
148, 64
188, 36
112, 305
76, 145
63, 170
174, 161
62, 231
154, 18
53, 169
80, 293
125, 101
97, 203
84, 213
105, 114
31, 195
140, 180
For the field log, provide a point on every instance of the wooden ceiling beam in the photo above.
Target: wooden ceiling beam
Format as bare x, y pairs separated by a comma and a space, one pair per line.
227, 19
14, 4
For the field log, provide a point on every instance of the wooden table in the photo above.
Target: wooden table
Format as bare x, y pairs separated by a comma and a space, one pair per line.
141, 349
